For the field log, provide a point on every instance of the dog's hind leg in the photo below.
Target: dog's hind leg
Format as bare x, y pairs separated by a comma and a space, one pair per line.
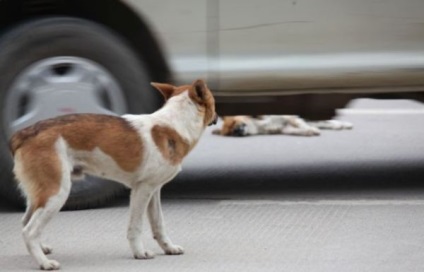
44, 175
41, 216
158, 226
28, 214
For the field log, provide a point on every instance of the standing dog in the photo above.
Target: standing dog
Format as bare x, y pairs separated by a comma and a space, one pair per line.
276, 124
141, 151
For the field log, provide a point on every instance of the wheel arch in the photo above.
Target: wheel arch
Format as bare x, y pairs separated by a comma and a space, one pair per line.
113, 14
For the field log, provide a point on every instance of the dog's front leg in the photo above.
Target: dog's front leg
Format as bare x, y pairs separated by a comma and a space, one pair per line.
158, 226
140, 197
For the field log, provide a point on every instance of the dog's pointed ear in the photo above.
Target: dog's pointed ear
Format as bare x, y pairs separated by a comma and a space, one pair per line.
200, 89
166, 89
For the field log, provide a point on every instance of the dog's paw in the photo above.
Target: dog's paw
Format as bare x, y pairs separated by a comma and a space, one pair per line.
174, 250
46, 249
144, 255
50, 265
312, 131
339, 125
347, 125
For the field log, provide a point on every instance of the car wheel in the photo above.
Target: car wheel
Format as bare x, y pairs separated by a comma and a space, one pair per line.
62, 65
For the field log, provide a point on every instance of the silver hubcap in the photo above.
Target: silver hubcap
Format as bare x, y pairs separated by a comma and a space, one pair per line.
61, 85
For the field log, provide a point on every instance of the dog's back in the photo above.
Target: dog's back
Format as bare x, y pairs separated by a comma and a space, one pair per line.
81, 131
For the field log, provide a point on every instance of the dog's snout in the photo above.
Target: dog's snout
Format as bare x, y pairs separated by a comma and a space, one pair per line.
215, 120
239, 130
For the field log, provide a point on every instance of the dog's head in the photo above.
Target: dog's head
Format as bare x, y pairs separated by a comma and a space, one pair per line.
199, 95
234, 126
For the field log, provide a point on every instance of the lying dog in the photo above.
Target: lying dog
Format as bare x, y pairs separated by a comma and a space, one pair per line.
141, 151
276, 124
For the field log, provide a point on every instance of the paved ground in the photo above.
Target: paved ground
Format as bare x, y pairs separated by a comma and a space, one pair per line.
345, 201
381, 232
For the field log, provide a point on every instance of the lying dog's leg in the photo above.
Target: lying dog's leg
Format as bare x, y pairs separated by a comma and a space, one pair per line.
140, 198
297, 126
332, 124
158, 226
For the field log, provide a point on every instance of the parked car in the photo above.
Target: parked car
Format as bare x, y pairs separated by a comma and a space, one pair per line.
305, 57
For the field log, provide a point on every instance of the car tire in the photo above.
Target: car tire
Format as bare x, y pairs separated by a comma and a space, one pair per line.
44, 38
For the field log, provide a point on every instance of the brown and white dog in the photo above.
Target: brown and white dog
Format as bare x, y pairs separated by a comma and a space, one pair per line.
141, 151
276, 124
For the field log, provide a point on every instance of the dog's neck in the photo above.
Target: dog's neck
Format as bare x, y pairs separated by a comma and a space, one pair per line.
181, 113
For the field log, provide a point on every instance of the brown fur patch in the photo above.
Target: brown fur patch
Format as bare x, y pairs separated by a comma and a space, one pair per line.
169, 91
40, 173
229, 124
113, 135
208, 110
198, 92
171, 145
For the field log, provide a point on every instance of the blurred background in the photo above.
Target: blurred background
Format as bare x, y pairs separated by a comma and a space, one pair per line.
303, 57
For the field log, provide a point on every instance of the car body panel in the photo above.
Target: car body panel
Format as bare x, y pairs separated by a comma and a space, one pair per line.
181, 28
253, 47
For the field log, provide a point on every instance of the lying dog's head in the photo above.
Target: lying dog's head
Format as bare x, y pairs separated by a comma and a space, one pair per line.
198, 93
235, 126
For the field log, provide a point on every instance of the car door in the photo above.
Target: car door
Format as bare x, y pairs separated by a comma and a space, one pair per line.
318, 45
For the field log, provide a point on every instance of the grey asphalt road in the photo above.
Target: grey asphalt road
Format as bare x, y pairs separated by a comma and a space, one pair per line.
344, 201
385, 147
